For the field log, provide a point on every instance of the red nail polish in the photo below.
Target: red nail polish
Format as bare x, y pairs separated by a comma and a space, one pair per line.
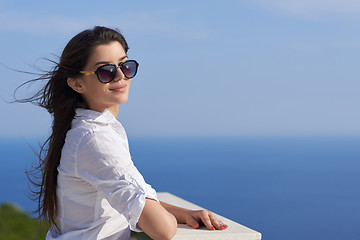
212, 228
225, 226
222, 227
196, 226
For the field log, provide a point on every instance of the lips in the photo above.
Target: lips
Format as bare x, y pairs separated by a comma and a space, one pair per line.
118, 88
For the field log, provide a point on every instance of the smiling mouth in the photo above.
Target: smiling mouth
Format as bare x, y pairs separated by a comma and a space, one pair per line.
119, 89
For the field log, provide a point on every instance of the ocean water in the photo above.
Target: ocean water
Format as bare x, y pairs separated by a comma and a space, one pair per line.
284, 187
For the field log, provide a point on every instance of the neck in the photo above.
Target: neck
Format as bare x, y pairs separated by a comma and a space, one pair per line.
114, 110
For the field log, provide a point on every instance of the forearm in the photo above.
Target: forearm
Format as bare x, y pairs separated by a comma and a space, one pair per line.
178, 212
156, 221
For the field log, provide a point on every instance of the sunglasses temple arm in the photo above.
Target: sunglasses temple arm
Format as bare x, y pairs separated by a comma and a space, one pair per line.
87, 72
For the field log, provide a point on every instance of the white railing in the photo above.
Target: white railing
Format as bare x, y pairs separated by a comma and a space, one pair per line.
184, 232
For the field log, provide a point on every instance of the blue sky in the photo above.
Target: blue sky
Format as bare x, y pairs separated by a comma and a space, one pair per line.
207, 68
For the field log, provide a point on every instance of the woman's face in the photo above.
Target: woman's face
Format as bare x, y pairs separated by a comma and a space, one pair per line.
100, 96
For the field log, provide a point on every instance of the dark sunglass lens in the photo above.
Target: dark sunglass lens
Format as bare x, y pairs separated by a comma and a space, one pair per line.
106, 73
129, 69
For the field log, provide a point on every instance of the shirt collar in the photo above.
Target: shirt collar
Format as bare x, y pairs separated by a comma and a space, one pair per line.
105, 117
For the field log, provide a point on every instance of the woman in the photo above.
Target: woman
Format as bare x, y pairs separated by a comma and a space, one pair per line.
90, 187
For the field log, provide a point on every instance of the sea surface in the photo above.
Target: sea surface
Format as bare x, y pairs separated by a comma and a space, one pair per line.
284, 187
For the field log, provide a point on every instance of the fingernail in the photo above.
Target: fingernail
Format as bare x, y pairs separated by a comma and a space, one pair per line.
225, 226
212, 228
222, 227
196, 226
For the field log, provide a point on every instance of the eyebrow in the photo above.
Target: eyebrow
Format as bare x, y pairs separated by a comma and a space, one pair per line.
106, 62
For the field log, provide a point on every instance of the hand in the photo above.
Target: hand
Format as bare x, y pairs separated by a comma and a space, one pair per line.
195, 218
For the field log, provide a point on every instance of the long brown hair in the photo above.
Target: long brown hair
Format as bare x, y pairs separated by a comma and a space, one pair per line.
61, 101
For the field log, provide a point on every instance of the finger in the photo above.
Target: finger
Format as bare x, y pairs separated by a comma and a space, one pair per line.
217, 223
220, 226
207, 221
223, 226
192, 222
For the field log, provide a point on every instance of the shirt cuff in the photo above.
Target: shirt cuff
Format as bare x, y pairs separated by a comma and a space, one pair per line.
136, 207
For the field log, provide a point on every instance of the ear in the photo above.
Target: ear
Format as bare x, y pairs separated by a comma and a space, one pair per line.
76, 84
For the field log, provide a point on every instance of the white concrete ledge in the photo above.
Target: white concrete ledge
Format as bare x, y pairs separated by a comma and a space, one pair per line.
184, 232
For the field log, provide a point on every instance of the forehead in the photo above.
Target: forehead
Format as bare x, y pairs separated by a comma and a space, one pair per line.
111, 52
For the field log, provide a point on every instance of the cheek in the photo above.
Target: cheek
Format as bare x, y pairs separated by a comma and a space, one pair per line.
93, 90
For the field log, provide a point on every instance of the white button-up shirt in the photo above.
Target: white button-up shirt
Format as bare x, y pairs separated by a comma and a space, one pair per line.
100, 192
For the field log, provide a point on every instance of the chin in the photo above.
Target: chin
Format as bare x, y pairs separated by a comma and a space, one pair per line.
123, 100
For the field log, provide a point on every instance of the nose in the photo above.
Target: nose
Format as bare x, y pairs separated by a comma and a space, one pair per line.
119, 75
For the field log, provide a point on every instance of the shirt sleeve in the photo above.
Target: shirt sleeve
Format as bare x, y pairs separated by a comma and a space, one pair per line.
103, 161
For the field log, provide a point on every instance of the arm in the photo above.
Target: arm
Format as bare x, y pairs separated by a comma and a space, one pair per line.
156, 222
194, 218
103, 166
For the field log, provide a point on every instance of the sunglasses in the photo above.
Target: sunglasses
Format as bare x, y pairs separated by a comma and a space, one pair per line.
106, 73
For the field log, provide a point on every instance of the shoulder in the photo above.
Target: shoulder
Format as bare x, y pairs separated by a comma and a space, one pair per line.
96, 151
87, 136
92, 136
89, 124
97, 141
